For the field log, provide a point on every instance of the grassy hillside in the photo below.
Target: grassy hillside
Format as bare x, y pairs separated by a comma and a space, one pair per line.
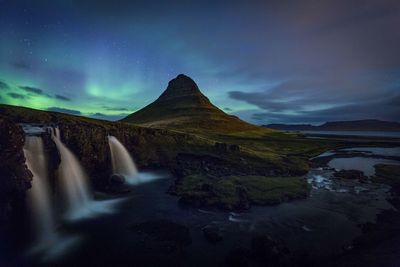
227, 161
183, 108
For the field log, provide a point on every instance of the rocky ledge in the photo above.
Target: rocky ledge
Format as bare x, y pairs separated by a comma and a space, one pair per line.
15, 178
238, 192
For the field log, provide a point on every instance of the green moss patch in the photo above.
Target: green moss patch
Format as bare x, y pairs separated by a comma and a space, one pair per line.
238, 192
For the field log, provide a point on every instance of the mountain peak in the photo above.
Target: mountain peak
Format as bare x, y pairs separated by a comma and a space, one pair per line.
181, 86
183, 106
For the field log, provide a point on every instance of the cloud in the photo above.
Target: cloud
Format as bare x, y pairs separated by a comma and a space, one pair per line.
32, 90
4, 86
320, 56
16, 96
64, 98
383, 109
64, 110
39, 91
115, 109
312, 99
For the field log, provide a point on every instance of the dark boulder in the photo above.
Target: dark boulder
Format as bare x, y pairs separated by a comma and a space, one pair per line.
117, 179
221, 147
244, 202
265, 249
206, 187
212, 233
350, 174
234, 148
168, 232
15, 177
238, 257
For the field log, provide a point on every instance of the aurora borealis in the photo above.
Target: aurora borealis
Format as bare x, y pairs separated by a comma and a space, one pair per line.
265, 61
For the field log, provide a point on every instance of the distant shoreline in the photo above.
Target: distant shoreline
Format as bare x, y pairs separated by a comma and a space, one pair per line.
353, 136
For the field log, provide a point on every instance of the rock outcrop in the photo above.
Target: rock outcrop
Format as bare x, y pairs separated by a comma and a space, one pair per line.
15, 177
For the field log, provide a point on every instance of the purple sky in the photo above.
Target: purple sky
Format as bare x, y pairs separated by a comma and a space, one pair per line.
266, 61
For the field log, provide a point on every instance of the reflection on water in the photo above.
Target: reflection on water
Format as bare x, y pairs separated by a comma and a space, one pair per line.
378, 151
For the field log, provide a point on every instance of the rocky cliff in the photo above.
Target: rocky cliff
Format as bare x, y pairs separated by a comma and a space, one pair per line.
15, 177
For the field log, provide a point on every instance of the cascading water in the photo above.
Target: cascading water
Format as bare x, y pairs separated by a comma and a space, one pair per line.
122, 162
72, 178
39, 194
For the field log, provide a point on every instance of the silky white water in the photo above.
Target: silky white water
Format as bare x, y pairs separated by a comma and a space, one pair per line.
74, 184
73, 179
39, 195
122, 162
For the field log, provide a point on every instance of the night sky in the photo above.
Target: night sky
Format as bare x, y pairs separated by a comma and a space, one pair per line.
266, 61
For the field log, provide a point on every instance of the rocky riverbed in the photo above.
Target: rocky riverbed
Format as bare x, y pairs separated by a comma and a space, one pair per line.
344, 214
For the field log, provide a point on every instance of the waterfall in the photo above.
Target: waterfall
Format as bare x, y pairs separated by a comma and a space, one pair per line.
122, 162
74, 181
39, 195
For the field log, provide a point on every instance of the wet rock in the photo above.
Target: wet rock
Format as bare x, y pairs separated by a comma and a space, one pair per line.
15, 178
171, 234
207, 187
350, 174
238, 257
265, 249
244, 202
234, 148
117, 179
212, 233
221, 147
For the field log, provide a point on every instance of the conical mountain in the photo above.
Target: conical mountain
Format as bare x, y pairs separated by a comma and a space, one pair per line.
183, 106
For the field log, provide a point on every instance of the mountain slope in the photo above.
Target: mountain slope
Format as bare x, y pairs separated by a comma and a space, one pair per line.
183, 106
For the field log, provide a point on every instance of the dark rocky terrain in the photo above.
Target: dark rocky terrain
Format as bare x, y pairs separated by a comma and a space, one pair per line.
15, 176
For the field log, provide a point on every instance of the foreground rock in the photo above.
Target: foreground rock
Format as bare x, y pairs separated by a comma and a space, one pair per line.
170, 234
117, 179
15, 177
264, 251
390, 175
159, 243
350, 175
379, 244
212, 233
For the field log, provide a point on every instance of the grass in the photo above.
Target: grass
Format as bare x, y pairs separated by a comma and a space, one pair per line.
388, 174
238, 192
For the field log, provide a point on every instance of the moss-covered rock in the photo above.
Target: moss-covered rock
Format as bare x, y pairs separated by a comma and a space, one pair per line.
238, 192
388, 174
